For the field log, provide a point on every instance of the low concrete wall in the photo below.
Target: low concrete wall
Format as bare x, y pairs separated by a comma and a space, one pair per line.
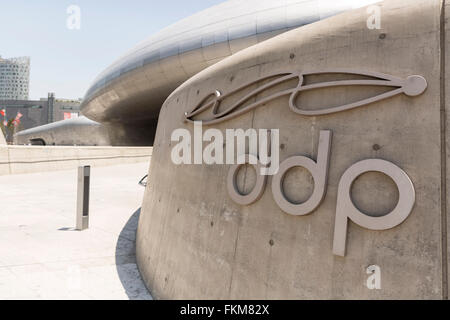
28, 159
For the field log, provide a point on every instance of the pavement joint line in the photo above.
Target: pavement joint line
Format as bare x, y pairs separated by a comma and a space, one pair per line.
39, 243
58, 261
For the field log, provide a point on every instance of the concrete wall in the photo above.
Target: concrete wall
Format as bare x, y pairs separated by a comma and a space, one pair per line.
445, 140
29, 159
193, 241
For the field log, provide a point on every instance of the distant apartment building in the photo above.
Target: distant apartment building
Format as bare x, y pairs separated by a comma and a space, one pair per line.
14, 78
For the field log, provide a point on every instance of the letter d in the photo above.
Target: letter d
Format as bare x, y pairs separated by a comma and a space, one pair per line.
319, 171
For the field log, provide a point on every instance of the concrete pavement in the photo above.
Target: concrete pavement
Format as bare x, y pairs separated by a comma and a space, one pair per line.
42, 257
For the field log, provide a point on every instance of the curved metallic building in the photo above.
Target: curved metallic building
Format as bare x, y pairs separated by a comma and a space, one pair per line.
79, 131
128, 95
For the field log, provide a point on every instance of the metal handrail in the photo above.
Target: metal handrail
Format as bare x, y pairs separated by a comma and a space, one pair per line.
142, 182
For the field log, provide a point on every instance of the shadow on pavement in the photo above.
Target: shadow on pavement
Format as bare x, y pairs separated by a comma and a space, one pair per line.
126, 260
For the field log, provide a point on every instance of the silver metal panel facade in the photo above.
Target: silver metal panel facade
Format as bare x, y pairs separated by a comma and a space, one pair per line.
78, 131
133, 88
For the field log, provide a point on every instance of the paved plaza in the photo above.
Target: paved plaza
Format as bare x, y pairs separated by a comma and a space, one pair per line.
43, 257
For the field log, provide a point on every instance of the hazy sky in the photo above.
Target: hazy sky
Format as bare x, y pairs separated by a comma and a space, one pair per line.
66, 61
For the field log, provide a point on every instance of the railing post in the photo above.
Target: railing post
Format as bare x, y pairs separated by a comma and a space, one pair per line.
84, 173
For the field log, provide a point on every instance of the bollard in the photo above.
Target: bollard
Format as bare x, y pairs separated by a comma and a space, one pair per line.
84, 174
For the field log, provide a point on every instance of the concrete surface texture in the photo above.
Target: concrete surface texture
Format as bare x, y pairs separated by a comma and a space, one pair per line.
2, 139
445, 153
28, 159
78, 131
43, 257
193, 241
132, 90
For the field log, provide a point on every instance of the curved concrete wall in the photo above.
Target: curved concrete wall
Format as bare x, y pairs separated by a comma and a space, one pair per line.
194, 241
131, 91
79, 131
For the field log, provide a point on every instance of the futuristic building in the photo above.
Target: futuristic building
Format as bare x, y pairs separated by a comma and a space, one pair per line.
14, 78
79, 131
128, 95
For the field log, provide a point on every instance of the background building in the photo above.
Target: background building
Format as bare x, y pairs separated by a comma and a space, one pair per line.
14, 78
38, 112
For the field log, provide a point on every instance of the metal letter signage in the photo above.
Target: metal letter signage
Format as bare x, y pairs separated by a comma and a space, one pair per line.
345, 209
257, 191
413, 85
318, 170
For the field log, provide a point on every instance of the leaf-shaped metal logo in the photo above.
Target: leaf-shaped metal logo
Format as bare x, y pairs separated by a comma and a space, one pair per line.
413, 85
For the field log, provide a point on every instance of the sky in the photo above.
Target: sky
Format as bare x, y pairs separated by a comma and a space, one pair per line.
66, 61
